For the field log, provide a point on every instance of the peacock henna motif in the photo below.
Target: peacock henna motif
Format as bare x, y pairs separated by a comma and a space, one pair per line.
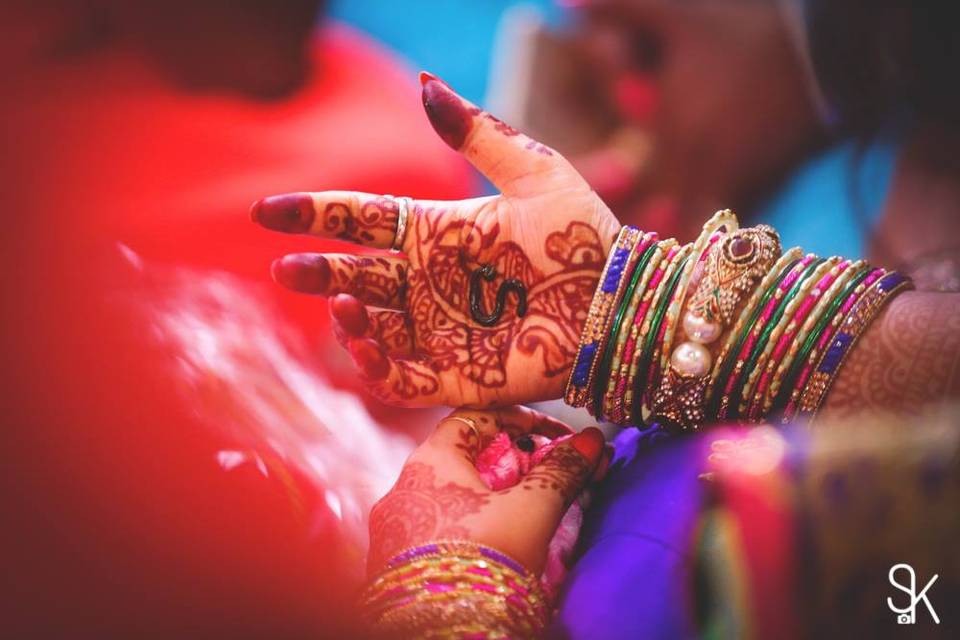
439, 305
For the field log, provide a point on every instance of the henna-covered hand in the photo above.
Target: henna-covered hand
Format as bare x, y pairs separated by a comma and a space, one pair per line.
545, 236
440, 494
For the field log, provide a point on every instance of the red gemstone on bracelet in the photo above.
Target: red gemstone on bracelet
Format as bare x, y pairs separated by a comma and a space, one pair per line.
741, 247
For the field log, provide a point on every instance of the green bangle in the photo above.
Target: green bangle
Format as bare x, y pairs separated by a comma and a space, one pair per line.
640, 383
750, 363
804, 353
727, 367
603, 371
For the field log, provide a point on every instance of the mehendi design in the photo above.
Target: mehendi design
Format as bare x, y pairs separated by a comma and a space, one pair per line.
418, 509
904, 362
563, 471
438, 300
488, 273
375, 221
378, 281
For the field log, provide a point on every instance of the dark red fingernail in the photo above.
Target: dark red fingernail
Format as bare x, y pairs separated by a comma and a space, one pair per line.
366, 354
589, 443
447, 113
304, 272
350, 314
291, 213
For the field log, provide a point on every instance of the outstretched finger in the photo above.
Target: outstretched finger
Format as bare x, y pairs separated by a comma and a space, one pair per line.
362, 218
378, 281
389, 329
515, 163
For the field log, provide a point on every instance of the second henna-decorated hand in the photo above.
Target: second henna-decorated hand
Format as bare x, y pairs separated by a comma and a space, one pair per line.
407, 318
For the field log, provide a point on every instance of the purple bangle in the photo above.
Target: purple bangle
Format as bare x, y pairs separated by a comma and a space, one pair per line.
435, 548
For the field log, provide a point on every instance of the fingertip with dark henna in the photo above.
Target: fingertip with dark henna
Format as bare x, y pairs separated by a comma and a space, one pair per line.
290, 213
368, 357
350, 314
447, 113
589, 443
303, 272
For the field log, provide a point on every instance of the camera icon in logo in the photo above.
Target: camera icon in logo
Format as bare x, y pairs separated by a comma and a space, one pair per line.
904, 618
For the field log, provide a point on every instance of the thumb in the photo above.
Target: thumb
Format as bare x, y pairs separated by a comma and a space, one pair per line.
556, 480
497, 150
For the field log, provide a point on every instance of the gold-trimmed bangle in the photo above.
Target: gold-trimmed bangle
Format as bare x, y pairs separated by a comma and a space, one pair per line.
845, 275
851, 328
451, 587
723, 221
668, 249
837, 310
647, 250
790, 256
782, 324
600, 307
616, 282
646, 345
732, 268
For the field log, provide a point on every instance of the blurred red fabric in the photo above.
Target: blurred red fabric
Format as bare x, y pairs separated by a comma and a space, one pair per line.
121, 523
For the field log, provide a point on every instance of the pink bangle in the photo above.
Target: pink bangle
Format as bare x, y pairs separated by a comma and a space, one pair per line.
756, 403
755, 331
792, 404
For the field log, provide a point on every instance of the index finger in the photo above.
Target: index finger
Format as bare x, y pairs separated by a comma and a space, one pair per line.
367, 219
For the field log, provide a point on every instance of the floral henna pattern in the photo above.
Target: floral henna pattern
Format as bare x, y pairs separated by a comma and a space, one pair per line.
374, 223
418, 510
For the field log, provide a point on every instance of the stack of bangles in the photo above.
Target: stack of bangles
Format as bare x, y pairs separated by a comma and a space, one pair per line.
726, 329
454, 589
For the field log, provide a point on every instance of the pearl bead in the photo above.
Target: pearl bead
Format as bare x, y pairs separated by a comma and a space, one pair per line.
699, 329
691, 359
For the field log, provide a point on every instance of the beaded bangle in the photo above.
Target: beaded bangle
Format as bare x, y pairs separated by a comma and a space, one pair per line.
758, 338
734, 364
785, 320
822, 332
852, 327
601, 307
641, 322
603, 399
666, 251
454, 589
809, 313
748, 315
603, 353
648, 355
731, 271
722, 221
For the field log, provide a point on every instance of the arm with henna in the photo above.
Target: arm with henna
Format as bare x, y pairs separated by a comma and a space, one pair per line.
486, 301
906, 360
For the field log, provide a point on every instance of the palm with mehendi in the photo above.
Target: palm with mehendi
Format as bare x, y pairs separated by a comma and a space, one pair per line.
406, 317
